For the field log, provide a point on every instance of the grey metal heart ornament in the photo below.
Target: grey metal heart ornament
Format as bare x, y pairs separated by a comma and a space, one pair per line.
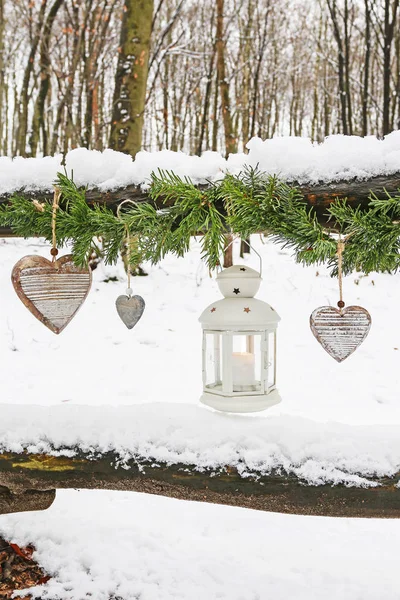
340, 332
130, 309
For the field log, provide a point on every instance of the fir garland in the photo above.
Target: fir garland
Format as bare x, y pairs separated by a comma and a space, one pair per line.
249, 203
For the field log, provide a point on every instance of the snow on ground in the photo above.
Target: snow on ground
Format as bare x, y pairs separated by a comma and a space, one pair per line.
339, 157
136, 546
96, 360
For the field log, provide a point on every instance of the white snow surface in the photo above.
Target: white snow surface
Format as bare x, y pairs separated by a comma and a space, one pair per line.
134, 546
292, 158
101, 386
179, 433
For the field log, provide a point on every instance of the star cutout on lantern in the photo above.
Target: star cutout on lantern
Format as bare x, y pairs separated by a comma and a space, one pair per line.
246, 310
236, 291
213, 309
242, 269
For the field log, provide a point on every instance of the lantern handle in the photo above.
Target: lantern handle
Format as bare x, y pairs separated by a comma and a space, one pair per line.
251, 248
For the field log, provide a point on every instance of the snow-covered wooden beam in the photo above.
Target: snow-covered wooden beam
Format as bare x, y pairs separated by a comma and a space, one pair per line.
319, 196
42, 474
276, 463
342, 166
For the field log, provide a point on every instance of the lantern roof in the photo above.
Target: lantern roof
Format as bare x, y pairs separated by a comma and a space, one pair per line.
239, 281
241, 271
239, 314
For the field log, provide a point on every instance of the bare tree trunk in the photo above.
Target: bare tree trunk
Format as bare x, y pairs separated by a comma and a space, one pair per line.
131, 77
390, 20
367, 61
165, 111
244, 247
327, 106
230, 141
259, 62
347, 46
25, 96
341, 63
98, 27
3, 113
244, 92
207, 97
66, 99
214, 145
397, 118
96, 114
38, 122
228, 254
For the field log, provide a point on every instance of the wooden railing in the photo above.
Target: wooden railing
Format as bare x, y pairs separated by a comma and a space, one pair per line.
320, 195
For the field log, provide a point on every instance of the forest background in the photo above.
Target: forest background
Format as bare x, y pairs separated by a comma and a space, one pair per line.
194, 75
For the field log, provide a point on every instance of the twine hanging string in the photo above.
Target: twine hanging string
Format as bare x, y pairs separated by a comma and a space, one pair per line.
340, 249
341, 244
129, 290
56, 198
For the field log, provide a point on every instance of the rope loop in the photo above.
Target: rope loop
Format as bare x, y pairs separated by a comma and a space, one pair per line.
128, 244
56, 199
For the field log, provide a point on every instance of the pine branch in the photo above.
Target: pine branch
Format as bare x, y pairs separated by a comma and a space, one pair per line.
243, 204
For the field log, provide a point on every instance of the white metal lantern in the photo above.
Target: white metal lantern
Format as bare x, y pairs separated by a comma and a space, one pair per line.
239, 346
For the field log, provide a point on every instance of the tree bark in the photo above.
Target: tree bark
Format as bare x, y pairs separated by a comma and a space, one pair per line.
67, 97
230, 140
25, 95
206, 104
259, 62
228, 253
341, 64
131, 77
367, 61
98, 29
244, 88
390, 20
38, 122
3, 112
214, 143
245, 247
347, 46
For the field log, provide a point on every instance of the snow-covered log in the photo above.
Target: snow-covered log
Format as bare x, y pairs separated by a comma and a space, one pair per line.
41, 474
280, 463
319, 196
342, 166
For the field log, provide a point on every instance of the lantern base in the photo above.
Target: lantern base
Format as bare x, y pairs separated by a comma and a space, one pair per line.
241, 404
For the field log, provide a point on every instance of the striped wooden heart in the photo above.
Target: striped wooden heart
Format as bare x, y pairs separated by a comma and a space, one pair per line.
340, 332
52, 291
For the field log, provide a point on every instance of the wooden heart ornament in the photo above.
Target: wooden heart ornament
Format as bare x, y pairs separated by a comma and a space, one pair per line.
52, 291
340, 332
130, 309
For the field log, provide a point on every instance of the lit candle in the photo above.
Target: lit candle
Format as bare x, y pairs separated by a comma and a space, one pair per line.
243, 368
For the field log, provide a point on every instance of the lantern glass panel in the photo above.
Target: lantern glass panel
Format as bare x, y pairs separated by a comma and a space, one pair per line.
213, 361
246, 362
271, 360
